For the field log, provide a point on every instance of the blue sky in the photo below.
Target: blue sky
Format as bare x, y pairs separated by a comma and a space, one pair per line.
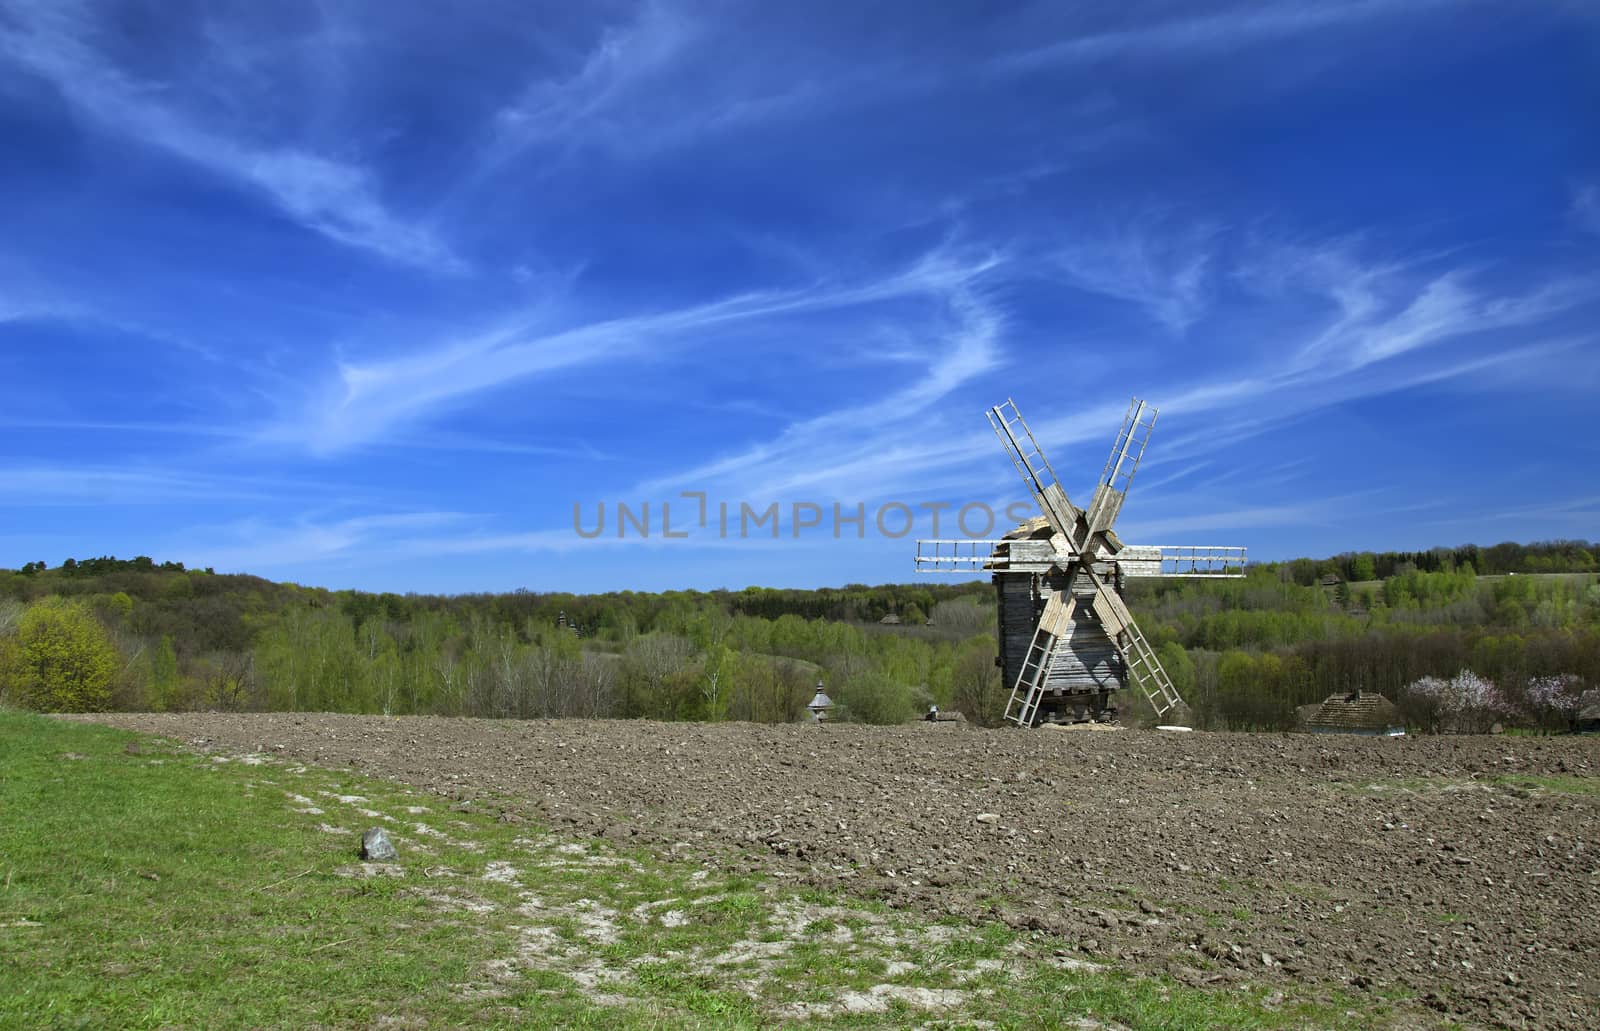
372, 295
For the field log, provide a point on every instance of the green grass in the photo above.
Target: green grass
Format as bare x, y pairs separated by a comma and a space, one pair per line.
157, 890
1562, 783
144, 886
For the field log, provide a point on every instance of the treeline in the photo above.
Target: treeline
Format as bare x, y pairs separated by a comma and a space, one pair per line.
103, 565
187, 640
1576, 556
1247, 653
107, 633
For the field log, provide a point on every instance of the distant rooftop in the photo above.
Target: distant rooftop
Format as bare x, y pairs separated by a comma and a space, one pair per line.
1358, 712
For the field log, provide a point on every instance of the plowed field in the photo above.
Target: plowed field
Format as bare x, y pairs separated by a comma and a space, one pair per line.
1461, 872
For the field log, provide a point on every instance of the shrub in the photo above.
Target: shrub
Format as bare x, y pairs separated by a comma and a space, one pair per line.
875, 698
60, 660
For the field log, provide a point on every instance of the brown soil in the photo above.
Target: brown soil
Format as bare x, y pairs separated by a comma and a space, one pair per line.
1429, 868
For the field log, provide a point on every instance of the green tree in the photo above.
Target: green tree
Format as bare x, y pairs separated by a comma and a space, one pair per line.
1237, 689
62, 660
1180, 668
876, 698
165, 694
717, 675
651, 668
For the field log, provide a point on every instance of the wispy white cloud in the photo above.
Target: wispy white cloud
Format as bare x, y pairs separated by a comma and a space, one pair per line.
1446, 307
1367, 338
29, 294
184, 429
625, 59
864, 450
317, 543
257, 545
1358, 312
1351, 328
1577, 512
1273, 406
1164, 272
21, 300
335, 198
369, 400
1314, 512
1191, 35
449, 440
669, 74
1586, 207
95, 485
14, 311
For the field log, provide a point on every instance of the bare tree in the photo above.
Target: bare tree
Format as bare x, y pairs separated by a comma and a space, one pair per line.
649, 665
597, 676
451, 684
10, 616
961, 618
228, 678
550, 684
977, 691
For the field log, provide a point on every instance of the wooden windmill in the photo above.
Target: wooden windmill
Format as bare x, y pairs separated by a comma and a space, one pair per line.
1067, 639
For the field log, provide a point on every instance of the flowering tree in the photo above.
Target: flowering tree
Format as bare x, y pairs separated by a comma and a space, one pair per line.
1477, 702
1464, 704
1424, 702
1555, 701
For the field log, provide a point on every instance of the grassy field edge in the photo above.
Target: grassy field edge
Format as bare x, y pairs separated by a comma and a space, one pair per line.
143, 885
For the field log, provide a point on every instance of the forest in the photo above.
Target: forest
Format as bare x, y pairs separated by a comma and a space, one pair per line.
1458, 637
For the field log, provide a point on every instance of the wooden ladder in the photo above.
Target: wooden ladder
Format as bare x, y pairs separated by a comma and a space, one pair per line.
1145, 670
1023, 706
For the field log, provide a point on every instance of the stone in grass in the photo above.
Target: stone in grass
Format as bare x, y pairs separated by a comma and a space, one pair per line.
376, 846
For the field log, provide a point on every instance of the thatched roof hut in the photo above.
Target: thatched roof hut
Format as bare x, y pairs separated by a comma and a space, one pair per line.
1360, 712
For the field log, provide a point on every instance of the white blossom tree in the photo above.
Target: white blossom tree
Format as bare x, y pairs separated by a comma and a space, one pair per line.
1464, 704
1555, 701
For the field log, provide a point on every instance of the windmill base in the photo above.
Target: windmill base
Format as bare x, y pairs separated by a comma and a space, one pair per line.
1081, 707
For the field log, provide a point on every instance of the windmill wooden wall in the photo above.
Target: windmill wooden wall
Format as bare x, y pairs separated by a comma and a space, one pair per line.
1085, 672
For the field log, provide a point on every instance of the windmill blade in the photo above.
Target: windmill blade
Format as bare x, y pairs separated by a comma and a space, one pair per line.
1117, 476
1003, 555
943, 555
1026, 455
1054, 623
1144, 668
1182, 561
